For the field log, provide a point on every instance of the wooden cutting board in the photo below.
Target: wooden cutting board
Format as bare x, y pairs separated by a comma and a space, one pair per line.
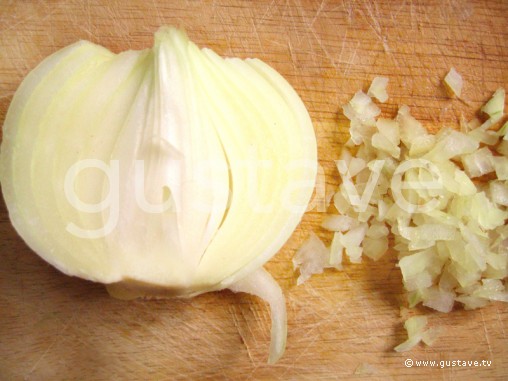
54, 327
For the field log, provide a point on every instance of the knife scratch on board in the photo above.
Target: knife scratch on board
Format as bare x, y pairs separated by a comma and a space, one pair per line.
7, 95
36, 16
318, 12
352, 57
486, 334
349, 9
55, 341
160, 17
309, 28
262, 19
343, 45
303, 352
322, 46
309, 343
412, 15
242, 338
500, 322
256, 32
291, 54
89, 18
371, 16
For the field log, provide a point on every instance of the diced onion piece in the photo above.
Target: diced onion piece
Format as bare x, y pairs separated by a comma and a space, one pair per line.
375, 248
502, 147
377, 230
361, 131
492, 289
362, 108
428, 232
338, 223
440, 300
356, 165
454, 82
340, 202
499, 192
390, 129
418, 270
382, 143
410, 128
472, 302
454, 180
450, 144
415, 328
336, 250
501, 166
503, 131
478, 163
345, 156
352, 241
422, 144
487, 137
311, 258
484, 213
377, 89
495, 106
355, 254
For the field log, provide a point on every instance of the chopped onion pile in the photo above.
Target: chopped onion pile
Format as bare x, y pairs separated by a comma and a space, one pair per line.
426, 194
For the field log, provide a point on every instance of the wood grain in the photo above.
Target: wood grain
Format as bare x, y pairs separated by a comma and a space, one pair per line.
54, 327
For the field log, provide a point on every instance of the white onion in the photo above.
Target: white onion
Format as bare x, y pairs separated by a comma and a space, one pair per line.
202, 169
